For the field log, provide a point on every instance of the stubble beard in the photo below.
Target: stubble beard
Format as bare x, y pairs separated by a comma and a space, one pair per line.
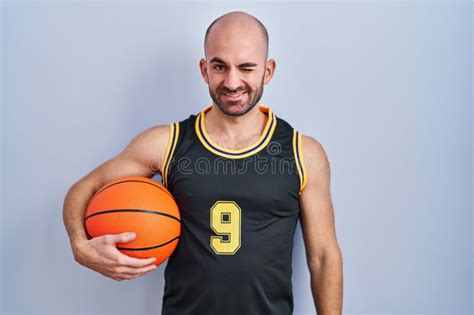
254, 98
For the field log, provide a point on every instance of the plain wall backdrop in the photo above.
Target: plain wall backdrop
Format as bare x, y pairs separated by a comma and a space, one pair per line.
386, 87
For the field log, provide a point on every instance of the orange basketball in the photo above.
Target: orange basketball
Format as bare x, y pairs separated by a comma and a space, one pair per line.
136, 204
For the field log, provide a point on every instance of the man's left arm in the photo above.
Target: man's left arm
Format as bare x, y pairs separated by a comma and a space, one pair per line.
323, 254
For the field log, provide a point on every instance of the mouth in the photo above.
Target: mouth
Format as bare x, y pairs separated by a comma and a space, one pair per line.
233, 96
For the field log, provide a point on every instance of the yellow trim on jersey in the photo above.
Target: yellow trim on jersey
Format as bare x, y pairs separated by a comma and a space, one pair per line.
303, 165
167, 152
300, 165
172, 140
263, 140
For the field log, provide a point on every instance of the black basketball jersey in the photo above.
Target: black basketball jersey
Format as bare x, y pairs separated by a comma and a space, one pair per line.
239, 210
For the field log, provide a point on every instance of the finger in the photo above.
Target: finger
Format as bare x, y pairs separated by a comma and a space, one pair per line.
137, 262
134, 271
123, 237
128, 276
144, 270
131, 274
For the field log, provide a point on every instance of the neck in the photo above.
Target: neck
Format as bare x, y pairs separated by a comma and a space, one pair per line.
235, 127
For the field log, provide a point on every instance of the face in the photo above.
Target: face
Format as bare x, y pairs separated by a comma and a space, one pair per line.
238, 101
236, 70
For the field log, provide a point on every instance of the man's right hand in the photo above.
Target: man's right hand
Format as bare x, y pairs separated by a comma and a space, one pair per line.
101, 254
143, 156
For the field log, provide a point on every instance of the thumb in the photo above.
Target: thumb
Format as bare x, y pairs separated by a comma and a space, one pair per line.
124, 237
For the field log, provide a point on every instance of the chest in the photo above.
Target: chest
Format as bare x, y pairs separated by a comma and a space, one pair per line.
234, 143
264, 186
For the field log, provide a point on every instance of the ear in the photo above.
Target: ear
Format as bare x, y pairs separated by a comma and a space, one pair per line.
203, 68
270, 67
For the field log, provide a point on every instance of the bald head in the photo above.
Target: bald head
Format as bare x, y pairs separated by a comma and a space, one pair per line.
236, 22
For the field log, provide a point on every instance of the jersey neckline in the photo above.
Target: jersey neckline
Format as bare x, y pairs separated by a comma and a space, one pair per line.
262, 141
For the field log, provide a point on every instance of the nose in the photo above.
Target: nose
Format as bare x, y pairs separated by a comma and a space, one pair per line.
232, 79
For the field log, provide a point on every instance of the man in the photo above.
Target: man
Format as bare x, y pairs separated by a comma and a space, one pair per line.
242, 177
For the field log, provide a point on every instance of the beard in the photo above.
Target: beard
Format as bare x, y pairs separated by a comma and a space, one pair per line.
230, 107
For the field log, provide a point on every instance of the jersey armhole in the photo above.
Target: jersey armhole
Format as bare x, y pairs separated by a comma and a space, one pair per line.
172, 140
300, 165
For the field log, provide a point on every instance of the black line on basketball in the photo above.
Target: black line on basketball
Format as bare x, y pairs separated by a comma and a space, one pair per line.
148, 248
130, 180
133, 210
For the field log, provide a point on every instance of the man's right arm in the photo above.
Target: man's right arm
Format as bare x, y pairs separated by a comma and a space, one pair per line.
143, 156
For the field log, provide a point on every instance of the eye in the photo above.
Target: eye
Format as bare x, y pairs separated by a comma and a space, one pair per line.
219, 66
248, 70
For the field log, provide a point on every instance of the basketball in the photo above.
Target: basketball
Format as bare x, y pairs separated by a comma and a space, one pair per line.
140, 205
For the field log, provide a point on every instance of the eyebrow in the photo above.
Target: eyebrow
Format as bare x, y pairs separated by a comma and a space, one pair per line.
245, 65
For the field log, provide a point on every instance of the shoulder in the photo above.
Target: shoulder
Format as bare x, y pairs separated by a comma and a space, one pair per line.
312, 149
161, 134
156, 135
315, 159
283, 123
149, 146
